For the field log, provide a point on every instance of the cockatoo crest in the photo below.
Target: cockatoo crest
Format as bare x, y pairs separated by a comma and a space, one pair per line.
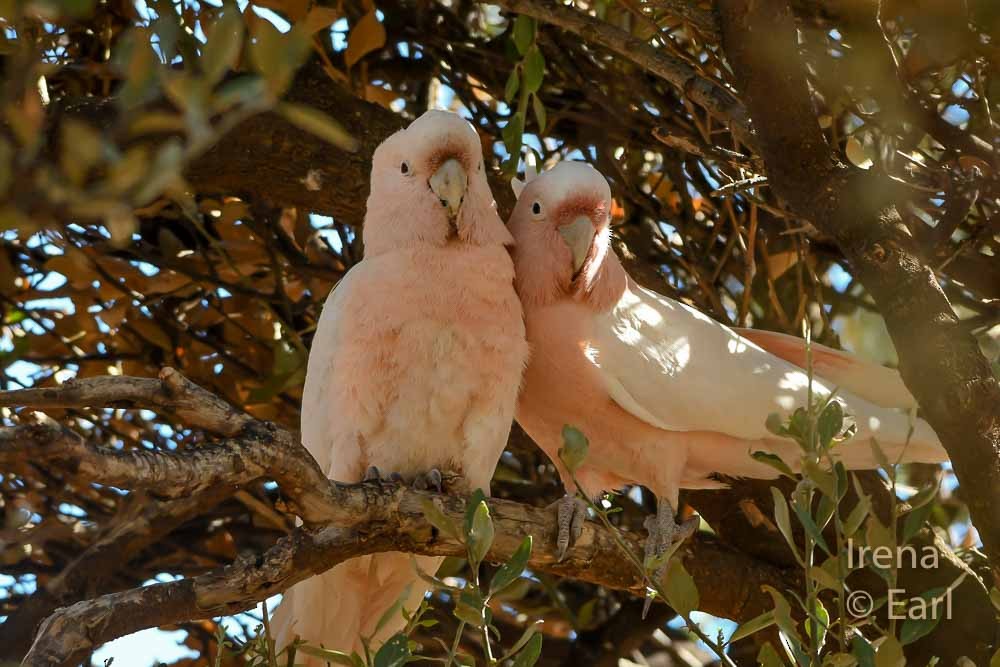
530, 174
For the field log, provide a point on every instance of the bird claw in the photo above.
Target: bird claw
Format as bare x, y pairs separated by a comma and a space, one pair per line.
373, 474
665, 534
432, 479
571, 512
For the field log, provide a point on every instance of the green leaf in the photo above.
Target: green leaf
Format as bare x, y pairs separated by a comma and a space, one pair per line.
524, 33
783, 614
839, 660
924, 496
438, 519
512, 569
798, 426
753, 626
336, 657
858, 513
469, 608
395, 609
914, 628
862, 649
680, 589
878, 535
768, 657
822, 618
480, 535
225, 42
575, 447
781, 517
825, 510
883, 461
824, 479
840, 472
776, 425
830, 423
318, 123
534, 70
529, 632
774, 461
823, 577
513, 83
394, 652
915, 521
539, 108
277, 55
890, 653
530, 653
512, 133
140, 67
471, 505
810, 526
240, 90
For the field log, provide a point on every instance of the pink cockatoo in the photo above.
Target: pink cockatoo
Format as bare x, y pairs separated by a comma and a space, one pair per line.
416, 362
667, 396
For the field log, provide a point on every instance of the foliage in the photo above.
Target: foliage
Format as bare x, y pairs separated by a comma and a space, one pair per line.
162, 203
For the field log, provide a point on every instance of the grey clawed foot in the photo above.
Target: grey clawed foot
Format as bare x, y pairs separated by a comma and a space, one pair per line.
432, 479
664, 535
373, 474
571, 512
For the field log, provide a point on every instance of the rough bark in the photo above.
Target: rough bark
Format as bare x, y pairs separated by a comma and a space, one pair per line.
940, 363
344, 521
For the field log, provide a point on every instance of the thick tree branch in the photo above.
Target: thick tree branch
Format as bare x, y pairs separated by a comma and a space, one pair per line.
344, 521
940, 363
144, 522
729, 582
172, 394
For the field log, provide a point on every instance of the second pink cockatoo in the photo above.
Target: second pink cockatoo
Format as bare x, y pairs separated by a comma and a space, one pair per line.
416, 362
667, 396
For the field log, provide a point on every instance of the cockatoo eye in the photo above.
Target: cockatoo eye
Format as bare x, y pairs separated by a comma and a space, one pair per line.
404, 168
536, 210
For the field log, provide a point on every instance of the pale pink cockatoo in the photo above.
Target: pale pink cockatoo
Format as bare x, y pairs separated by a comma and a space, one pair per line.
667, 396
416, 363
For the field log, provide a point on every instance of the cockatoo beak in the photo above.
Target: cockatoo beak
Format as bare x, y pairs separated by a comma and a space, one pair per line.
578, 235
449, 183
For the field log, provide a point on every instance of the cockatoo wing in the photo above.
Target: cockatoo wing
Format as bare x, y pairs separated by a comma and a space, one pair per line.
677, 369
321, 417
873, 382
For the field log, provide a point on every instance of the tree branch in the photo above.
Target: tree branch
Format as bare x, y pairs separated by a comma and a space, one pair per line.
941, 363
716, 99
398, 524
344, 521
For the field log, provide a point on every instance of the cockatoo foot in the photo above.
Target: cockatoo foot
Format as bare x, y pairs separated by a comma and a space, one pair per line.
373, 474
664, 534
432, 479
571, 512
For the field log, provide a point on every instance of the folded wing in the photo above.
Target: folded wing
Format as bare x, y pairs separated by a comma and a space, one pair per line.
679, 370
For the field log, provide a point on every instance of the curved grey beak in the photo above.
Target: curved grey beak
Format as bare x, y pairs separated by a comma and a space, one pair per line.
449, 183
578, 235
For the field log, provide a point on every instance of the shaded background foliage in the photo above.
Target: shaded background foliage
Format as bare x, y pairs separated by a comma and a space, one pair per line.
183, 182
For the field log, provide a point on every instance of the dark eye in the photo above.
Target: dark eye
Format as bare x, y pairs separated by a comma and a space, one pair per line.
404, 168
536, 208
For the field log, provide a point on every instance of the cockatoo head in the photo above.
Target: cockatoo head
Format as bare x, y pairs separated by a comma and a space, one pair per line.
561, 225
428, 186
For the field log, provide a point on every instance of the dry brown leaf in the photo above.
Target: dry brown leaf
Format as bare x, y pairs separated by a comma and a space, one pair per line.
319, 18
75, 266
366, 36
151, 333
